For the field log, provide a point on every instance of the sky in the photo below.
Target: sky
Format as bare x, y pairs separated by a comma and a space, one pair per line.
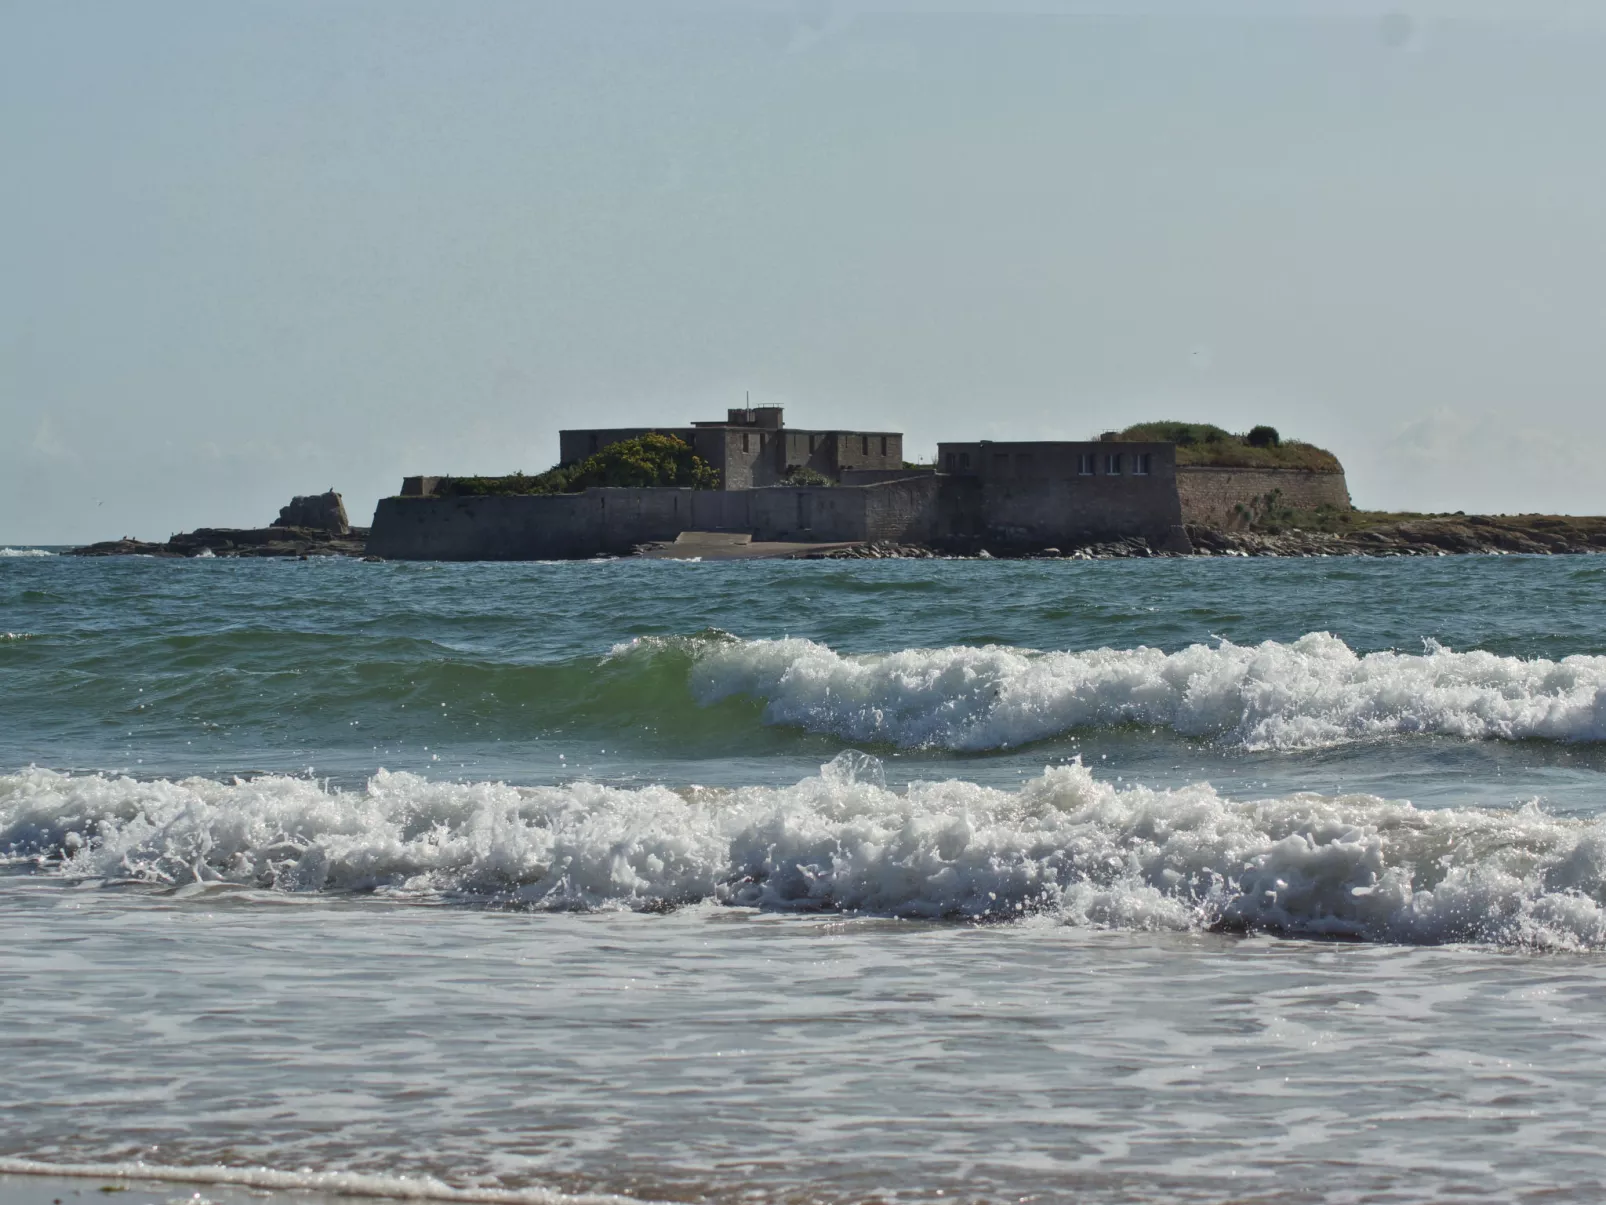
257, 249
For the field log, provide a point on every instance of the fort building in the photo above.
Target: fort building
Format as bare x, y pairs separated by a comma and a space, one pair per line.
753, 447
1062, 494
1005, 496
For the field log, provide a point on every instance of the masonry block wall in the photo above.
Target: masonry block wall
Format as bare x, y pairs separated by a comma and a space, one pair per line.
1039, 494
1013, 497
1215, 497
563, 526
906, 511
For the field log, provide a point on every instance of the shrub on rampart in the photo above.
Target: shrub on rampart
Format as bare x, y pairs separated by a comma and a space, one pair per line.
649, 460
803, 475
1207, 444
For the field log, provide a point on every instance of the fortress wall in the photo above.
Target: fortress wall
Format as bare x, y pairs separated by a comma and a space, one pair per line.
742, 468
541, 527
863, 450
808, 514
877, 476
906, 511
1064, 512
1211, 496
1034, 495
476, 529
614, 520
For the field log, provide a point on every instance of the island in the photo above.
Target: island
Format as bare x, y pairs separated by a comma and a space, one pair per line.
749, 486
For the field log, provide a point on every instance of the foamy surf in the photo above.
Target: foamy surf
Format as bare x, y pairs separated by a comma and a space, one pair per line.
25, 552
342, 1184
1064, 845
1312, 692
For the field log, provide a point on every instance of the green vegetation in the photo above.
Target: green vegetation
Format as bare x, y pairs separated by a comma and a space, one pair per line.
650, 460
1206, 444
803, 475
1263, 437
553, 481
1269, 513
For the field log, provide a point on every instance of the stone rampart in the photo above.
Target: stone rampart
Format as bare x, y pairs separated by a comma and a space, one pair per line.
615, 520
877, 476
1228, 498
905, 511
1037, 495
1023, 498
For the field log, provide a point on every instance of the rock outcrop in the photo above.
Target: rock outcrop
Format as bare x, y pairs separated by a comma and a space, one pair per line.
314, 525
319, 512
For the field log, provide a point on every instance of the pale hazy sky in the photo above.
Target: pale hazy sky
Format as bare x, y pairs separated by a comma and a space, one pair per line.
250, 249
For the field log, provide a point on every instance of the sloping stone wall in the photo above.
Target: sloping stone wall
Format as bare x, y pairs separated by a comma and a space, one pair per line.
1225, 498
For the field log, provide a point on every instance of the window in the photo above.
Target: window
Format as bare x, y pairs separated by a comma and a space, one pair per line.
1086, 464
744, 441
883, 445
811, 445
1112, 464
1141, 462
864, 445
953, 462
964, 460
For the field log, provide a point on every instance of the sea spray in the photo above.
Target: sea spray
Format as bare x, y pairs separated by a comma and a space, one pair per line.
1312, 692
1065, 845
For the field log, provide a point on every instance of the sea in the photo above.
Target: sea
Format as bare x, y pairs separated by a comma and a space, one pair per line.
1182, 880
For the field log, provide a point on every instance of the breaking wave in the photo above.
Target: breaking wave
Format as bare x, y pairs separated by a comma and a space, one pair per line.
1063, 845
1312, 692
9, 552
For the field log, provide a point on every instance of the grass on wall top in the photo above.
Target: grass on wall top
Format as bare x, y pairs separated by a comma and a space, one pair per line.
1258, 448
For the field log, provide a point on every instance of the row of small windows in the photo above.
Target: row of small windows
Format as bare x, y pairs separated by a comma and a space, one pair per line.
864, 443
1114, 464
1088, 464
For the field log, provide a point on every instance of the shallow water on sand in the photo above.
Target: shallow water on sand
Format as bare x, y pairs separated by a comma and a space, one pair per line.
569, 877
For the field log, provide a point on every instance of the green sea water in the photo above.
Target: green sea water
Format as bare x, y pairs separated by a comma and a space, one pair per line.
821, 881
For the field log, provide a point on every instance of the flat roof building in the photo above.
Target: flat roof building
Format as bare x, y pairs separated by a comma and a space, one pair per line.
753, 447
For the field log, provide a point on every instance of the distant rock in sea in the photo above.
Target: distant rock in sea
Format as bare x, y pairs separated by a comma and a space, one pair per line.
320, 512
312, 525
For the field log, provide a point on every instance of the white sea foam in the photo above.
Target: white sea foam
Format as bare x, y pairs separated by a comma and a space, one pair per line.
341, 1184
5, 552
1064, 844
1314, 691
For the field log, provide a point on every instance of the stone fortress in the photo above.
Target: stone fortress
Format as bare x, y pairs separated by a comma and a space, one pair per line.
754, 448
1008, 497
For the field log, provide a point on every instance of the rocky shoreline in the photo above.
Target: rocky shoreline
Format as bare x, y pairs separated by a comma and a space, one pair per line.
312, 525
237, 542
1437, 535
317, 526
